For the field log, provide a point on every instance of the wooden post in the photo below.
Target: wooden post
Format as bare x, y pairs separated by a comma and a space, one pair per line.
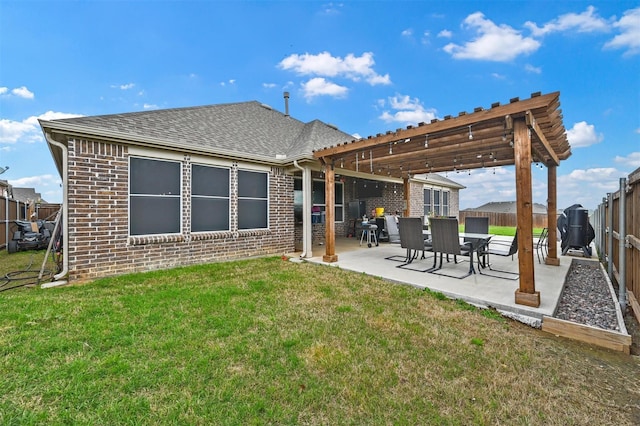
330, 209
552, 218
526, 293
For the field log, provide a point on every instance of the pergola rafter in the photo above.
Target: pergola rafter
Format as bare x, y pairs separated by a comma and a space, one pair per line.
518, 133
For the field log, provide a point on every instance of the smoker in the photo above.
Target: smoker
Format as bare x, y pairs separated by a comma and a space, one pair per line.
575, 230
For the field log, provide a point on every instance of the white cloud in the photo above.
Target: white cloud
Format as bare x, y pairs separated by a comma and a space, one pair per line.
123, 86
629, 37
35, 181
445, 34
534, 70
331, 8
149, 106
268, 85
407, 111
320, 87
27, 130
585, 22
323, 64
12, 131
587, 186
583, 134
23, 92
49, 186
485, 185
494, 43
632, 160
498, 76
407, 33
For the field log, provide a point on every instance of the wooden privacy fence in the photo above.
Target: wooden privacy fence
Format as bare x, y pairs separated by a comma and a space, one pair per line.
11, 210
617, 237
503, 219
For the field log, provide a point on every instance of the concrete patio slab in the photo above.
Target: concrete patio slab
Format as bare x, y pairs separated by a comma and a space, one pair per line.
477, 289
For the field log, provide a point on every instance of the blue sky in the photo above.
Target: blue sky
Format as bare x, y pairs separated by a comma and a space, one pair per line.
366, 67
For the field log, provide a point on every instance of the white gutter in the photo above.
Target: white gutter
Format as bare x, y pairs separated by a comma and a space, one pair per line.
65, 214
306, 210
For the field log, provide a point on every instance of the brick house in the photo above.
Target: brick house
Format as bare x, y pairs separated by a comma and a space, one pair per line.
165, 188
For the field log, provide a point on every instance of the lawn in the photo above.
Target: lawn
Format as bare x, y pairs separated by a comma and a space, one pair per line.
268, 341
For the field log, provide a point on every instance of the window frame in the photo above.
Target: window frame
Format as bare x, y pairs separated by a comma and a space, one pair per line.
265, 198
446, 195
211, 197
139, 196
428, 205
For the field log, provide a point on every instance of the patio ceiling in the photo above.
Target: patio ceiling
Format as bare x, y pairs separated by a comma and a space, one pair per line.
482, 138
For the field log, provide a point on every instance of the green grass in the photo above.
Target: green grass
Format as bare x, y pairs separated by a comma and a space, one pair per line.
273, 342
508, 231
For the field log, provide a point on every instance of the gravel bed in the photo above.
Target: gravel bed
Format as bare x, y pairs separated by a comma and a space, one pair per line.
586, 298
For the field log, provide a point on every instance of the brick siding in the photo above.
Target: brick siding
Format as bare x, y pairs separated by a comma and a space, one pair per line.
99, 243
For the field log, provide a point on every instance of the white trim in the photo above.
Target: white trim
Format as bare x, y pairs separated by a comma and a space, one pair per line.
211, 161
252, 167
155, 154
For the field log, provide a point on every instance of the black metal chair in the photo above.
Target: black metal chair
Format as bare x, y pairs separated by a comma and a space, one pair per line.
445, 238
476, 225
498, 248
542, 245
412, 239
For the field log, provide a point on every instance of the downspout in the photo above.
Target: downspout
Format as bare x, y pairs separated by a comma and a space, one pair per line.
65, 214
306, 210
6, 218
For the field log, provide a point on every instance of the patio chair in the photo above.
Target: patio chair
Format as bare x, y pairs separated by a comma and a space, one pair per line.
392, 229
498, 248
476, 225
446, 240
412, 239
542, 245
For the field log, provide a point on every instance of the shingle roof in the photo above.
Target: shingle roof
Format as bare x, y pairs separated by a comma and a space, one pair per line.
27, 195
247, 129
507, 207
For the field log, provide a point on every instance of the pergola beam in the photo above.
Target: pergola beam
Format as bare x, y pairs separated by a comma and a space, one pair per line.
496, 113
548, 151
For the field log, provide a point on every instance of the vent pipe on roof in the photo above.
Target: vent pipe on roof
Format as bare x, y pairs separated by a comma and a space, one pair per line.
286, 104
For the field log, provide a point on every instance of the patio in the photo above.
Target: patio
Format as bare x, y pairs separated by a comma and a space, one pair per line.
519, 134
477, 289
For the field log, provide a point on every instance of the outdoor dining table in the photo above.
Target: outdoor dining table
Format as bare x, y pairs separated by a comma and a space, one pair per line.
477, 240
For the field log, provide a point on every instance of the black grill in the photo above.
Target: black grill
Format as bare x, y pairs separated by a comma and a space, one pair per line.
575, 230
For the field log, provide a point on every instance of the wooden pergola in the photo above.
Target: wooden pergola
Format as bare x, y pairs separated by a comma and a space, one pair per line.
519, 133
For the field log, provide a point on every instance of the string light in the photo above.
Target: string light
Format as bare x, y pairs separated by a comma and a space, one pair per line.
470, 134
390, 148
426, 141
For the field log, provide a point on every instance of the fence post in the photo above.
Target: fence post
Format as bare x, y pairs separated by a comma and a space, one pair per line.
622, 262
610, 235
